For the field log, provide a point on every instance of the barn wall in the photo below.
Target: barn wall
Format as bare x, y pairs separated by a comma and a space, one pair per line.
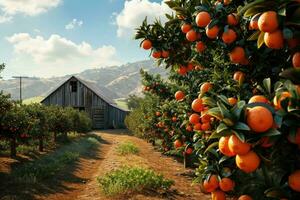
116, 117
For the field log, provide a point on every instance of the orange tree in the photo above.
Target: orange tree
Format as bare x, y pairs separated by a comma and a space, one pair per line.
237, 64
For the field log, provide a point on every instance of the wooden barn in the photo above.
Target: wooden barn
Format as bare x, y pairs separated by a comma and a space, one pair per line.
86, 96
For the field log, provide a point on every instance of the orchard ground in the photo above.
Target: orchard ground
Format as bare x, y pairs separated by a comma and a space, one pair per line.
78, 180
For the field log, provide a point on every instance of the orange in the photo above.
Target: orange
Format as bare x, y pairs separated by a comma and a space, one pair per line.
177, 144
157, 114
237, 76
296, 60
197, 127
232, 19
190, 67
205, 87
194, 118
186, 27
283, 96
206, 126
248, 162
274, 40
265, 142
236, 146
200, 46
197, 105
294, 180
205, 118
179, 95
229, 36
232, 101
254, 22
245, 61
226, 184
268, 22
226, 2
218, 195
223, 147
237, 55
191, 35
212, 184
212, 32
174, 119
203, 19
146, 44
189, 151
165, 54
189, 128
245, 197
259, 119
156, 54
182, 70
258, 99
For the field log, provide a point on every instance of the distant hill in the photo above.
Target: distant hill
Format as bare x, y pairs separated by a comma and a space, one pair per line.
118, 81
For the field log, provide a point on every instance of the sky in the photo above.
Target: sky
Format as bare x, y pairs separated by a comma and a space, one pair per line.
46, 38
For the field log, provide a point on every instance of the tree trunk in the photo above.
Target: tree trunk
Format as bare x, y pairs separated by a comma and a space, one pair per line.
41, 144
13, 147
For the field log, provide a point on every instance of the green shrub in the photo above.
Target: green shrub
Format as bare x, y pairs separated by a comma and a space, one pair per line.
127, 148
132, 179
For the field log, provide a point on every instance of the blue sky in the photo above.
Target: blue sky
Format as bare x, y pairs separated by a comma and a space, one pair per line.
57, 37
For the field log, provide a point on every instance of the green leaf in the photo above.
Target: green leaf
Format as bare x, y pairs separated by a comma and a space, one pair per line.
254, 36
211, 146
222, 127
224, 111
271, 132
239, 135
260, 40
282, 11
267, 84
215, 112
241, 126
287, 33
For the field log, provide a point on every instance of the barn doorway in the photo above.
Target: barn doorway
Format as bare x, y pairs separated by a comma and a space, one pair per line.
98, 116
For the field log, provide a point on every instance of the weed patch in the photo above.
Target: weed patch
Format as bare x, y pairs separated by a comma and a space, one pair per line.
126, 148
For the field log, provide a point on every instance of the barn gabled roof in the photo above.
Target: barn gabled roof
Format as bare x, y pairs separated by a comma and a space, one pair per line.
93, 87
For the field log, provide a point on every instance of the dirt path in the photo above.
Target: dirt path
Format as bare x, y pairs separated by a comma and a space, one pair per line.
107, 159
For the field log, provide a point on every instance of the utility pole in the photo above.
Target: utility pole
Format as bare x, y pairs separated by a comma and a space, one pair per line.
20, 78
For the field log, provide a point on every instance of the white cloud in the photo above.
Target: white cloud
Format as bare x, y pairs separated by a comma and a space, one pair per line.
57, 55
26, 7
73, 24
5, 18
135, 11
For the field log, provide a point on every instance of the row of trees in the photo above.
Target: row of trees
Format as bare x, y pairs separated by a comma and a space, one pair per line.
232, 97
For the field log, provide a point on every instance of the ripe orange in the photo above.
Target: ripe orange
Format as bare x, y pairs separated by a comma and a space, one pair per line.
157, 114
189, 151
200, 46
218, 195
237, 55
232, 101
237, 76
245, 61
254, 22
229, 36
205, 118
189, 128
274, 40
236, 146
177, 144
165, 54
197, 105
190, 67
226, 2
268, 22
283, 96
146, 44
179, 95
258, 99
174, 119
194, 118
296, 60
203, 19
294, 180
232, 19
223, 147
197, 127
205, 87
182, 70
245, 197
226, 184
191, 35
186, 27
206, 126
265, 142
212, 32
248, 162
259, 119
212, 184
156, 54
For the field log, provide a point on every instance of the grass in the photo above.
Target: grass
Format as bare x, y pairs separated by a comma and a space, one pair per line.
32, 100
50, 164
126, 148
122, 103
127, 180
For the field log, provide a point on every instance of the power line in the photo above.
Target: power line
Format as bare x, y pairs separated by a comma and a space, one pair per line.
20, 78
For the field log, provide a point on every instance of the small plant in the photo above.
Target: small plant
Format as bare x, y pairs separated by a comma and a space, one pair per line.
126, 148
132, 179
